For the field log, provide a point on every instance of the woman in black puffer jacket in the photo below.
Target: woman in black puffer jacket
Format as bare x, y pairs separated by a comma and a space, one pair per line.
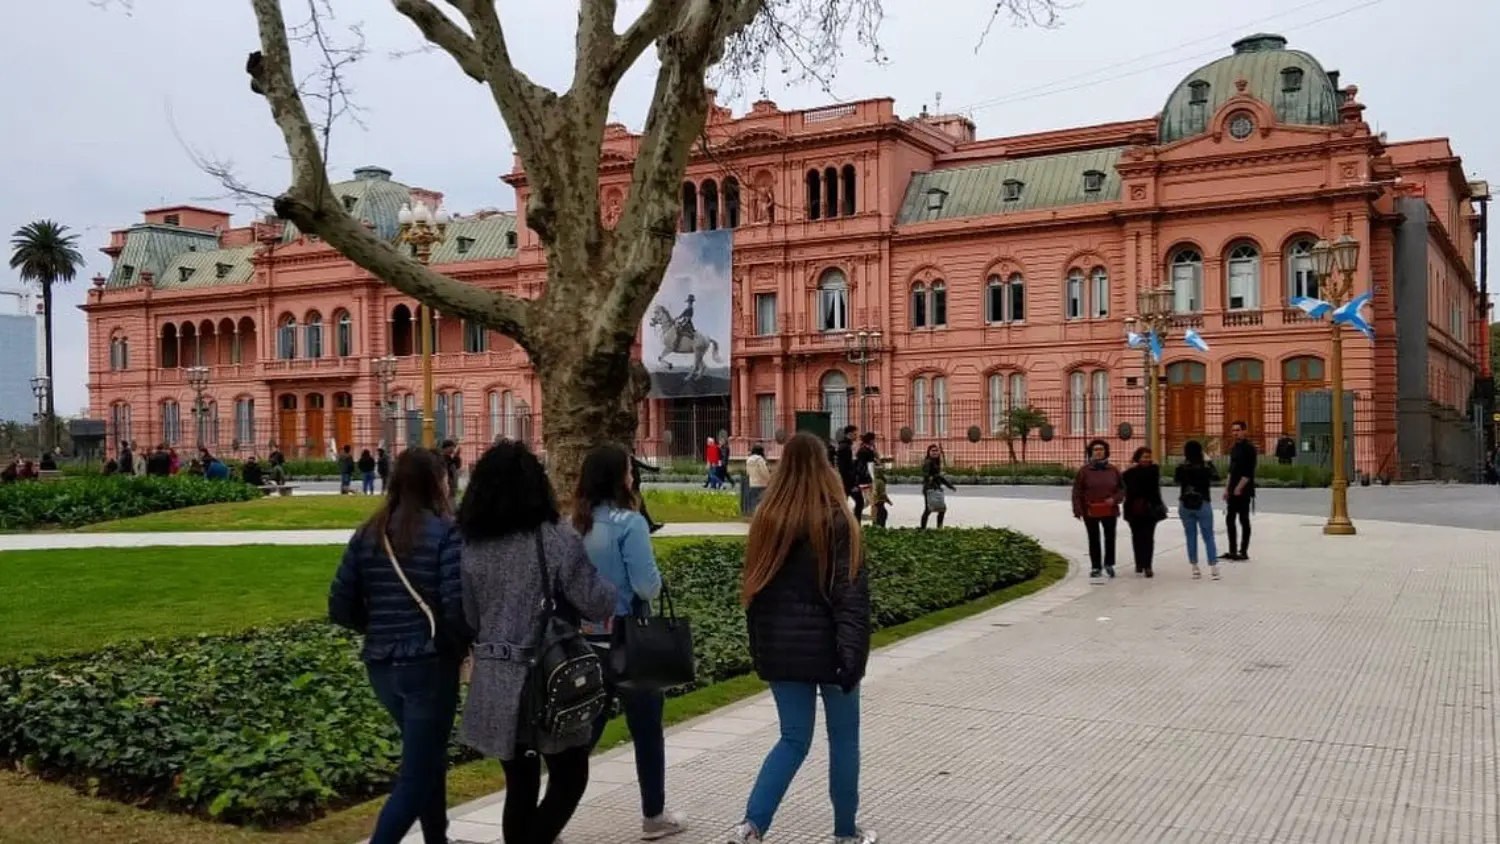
808, 600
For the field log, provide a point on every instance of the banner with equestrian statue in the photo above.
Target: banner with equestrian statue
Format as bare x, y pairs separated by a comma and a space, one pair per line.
686, 332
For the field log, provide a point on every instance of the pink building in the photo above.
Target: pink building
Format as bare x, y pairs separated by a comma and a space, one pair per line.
998, 271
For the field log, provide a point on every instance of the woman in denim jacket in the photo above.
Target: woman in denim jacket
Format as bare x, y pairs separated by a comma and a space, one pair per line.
618, 540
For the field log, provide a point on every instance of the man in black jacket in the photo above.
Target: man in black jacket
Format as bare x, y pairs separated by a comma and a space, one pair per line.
1239, 493
848, 473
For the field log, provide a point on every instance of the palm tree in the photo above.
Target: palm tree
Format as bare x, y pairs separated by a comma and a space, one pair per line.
1019, 422
44, 252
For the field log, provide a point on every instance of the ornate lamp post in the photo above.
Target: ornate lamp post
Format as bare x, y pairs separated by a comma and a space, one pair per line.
385, 373
422, 229
1341, 255
1154, 315
41, 388
197, 377
863, 348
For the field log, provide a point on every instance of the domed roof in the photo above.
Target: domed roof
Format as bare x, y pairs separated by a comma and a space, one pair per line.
371, 196
1292, 82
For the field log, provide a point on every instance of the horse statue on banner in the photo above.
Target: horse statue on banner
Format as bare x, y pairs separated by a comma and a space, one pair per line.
677, 339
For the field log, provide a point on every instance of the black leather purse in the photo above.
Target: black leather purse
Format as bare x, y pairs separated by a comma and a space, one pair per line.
652, 651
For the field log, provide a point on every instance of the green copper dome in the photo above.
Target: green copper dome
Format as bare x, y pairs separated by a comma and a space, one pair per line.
1290, 81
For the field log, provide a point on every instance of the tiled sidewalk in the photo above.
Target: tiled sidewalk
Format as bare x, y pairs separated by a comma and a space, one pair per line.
1332, 690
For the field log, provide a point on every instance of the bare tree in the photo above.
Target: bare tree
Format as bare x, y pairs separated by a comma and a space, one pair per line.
579, 331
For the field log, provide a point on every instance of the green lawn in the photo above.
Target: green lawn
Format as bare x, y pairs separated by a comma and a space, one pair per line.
317, 512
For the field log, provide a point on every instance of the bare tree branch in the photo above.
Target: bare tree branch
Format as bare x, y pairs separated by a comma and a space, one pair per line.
641, 34
1042, 13
441, 31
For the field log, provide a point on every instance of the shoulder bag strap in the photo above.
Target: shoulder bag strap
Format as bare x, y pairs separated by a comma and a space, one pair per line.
390, 554
549, 601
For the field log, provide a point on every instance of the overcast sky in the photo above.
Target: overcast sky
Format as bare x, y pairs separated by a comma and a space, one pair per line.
98, 133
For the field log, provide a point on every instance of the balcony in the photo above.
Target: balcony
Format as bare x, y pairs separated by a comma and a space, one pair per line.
1293, 316
303, 368
1187, 320
1242, 319
512, 358
217, 372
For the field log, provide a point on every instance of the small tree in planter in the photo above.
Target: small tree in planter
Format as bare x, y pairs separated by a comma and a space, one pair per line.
1018, 425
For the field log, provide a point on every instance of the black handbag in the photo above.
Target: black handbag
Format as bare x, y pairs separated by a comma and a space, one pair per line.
652, 651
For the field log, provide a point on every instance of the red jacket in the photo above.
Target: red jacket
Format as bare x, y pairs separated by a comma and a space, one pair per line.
711, 454
1096, 486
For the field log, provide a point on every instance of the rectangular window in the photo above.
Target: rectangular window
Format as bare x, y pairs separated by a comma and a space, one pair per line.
1187, 293
997, 397
1243, 286
345, 337
1017, 300
244, 422
171, 423
286, 342
1100, 399
1099, 293
458, 417
476, 338
939, 306
1075, 297
1078, 402
919, 406
765, 416
833, 308
940, 407
765, 314
994, 302
172, 219
315, 340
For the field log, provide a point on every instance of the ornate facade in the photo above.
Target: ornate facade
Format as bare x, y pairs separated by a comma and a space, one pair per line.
997, 271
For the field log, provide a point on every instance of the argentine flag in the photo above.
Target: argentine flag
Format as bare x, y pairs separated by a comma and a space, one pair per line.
1194, 340
1315, 308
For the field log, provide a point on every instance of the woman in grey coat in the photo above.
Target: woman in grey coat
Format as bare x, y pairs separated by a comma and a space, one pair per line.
508, 500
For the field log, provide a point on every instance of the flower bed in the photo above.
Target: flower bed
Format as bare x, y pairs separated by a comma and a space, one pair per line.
80, 501
274, 726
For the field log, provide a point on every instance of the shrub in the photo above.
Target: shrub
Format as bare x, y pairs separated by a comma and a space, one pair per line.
277, 725
80, 501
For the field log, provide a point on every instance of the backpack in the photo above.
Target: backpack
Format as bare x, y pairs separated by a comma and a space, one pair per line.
564, 691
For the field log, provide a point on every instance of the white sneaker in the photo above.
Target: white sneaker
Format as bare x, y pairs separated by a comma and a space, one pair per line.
743, 833
863, 836
663, 825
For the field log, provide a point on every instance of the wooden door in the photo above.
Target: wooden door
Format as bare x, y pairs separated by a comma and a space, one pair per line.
343, 419
315, 445
1185, 401
1298, 375
1245, 400
286, 434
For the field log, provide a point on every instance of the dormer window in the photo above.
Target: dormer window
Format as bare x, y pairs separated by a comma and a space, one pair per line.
1093, 181
222, 269
935, 199
126, 272
1198, 92
510, 240
349, 202
464, 244
172, 220
184, 273
1010, 190
1291, 80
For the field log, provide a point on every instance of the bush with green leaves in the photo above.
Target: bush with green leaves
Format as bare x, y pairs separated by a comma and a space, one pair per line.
277, 725
73, 502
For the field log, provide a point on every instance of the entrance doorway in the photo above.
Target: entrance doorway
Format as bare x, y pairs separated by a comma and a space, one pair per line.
316, 447
1245, 400
343, 419
286, 429
1186, 386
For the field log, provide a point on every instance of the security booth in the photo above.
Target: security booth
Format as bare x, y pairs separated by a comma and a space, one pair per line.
88, 439
1315, 430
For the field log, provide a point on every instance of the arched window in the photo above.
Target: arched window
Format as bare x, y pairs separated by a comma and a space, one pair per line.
1187, 281
119, 353
344, 339
1099, 292
1243, 278
1005, 300
1300, 280
929, 405
732, 203
120, 424
314, 334
833, 300
207, 423
286, 338
1007, 391
1099, 398
835, 393
919, 405
244, 421
1073, 296
169, 347
918, 306
710, 193
689, 207
850, 177
502, 410
814, 192
830, 192
402, 341
476, 338
1078, 402
171, 423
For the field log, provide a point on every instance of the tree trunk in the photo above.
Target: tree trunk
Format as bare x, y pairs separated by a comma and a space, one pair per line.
49, 424
580, 411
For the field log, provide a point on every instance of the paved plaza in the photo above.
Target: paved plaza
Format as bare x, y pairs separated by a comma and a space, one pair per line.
1331, 690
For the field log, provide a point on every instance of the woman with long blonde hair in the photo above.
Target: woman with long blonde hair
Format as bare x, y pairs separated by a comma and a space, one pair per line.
807, 600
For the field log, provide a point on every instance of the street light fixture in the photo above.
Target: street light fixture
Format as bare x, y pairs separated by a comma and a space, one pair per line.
41, 387
197, 377
1341, 255
863, 348
1154, 315
385, 373
422, 229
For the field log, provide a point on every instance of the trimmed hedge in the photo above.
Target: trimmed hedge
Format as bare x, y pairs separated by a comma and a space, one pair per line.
74, 502
271, 726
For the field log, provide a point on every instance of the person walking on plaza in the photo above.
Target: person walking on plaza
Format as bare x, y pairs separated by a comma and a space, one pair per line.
619, 544
346, 470
515, 541
366, 468
1195, 476
807, 598
452, 464
1239, 493
848, 470
382, 467
399, 585
1286, 450
1143, 508
711, 461
880, 500
865, 458
757, 475
934, 502
127, 459
1098, 489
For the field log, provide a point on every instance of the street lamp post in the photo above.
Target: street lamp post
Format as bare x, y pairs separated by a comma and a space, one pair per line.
422, 229
1154, 308
1342, 256
197, 377
385, 373
41, 388
863, 348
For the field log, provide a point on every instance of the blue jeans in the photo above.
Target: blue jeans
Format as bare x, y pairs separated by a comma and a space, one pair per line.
345, 479
643, 715
368, 485
1198, 521
796, 705
422, 696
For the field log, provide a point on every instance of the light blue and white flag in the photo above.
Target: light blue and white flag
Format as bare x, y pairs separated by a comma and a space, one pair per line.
1155, 340
1194, 340
1135, 340
1315, 308
1348, 314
